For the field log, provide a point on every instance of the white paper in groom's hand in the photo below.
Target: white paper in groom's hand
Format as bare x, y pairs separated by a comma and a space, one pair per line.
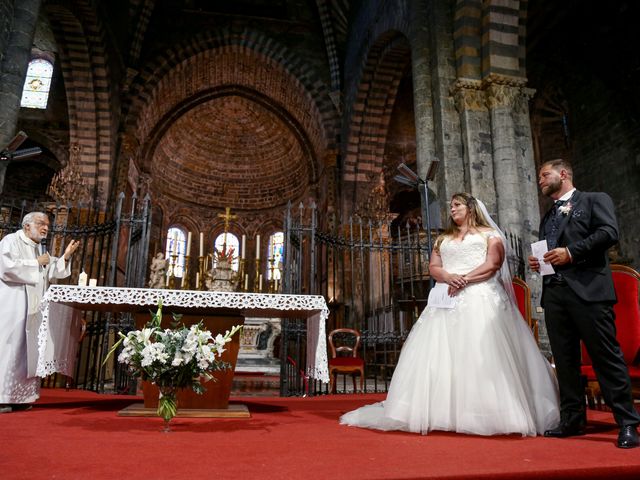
439, 297
538, 249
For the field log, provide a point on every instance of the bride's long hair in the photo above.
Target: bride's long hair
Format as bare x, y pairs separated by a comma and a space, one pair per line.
475, 218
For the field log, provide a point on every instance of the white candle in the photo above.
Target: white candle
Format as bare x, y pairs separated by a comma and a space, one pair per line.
275, 288
201, 244
184, 280
174, 247
167, 284
246, 282
82, 279
188, 244
93, 282
197, 280
244, 245
257, 247
260, 283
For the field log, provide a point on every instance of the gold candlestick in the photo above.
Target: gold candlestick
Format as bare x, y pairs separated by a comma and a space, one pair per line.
173, 260
201, 270
186, 281
256, 285
240, 277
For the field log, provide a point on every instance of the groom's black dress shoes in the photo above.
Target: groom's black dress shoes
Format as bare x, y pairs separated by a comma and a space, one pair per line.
628, 437
566, 430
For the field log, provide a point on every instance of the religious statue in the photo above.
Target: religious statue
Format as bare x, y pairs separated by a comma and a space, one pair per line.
222, 277
158, 271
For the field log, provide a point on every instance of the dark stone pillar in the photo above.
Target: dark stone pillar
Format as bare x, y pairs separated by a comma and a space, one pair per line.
16, 53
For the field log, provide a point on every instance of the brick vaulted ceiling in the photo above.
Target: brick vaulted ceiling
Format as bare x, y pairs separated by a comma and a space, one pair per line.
231, 151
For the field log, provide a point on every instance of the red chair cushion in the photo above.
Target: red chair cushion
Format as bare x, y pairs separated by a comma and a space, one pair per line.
627, 318
520, 298
346, 362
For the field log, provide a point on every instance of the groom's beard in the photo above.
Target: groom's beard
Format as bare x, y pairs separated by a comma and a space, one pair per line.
551, 188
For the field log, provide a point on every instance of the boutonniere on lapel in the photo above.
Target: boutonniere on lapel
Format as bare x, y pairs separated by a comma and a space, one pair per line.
565, 209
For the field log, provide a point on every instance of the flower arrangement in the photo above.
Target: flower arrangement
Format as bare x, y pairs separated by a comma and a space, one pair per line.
179, 357
565, 209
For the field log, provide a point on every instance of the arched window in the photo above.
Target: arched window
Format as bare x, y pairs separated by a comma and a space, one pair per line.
37, 85
276, 244
176, 246
227, 245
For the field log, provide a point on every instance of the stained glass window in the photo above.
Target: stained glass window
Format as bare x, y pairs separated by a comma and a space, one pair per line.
176, 245
230, 251
276, 243
37, 84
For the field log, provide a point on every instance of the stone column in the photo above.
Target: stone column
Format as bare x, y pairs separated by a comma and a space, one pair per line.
515, 173
16, 53
475, 126
500, 100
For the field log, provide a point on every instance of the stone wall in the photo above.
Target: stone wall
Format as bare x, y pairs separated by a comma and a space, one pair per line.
606, 156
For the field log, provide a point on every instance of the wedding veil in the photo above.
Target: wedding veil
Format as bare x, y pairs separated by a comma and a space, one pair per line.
505, 273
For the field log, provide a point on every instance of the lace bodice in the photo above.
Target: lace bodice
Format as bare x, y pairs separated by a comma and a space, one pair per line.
462, 257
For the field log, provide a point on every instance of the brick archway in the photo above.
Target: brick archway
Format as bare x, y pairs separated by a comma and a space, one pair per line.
387, 63
84, 65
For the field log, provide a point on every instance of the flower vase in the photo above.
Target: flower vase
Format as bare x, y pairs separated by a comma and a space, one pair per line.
167, 405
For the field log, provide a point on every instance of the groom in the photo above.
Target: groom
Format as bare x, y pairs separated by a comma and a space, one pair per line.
578, 300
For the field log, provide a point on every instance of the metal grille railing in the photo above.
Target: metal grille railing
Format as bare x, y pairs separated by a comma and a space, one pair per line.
375, 277
113, 250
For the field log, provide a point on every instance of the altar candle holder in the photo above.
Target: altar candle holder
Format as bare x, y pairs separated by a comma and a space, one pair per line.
201, 269
173, 261
240, 276
256, 283
186, 281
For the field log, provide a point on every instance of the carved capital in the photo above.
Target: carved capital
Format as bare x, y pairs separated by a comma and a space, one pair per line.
496, 79
521, 104
469, 99
501, 96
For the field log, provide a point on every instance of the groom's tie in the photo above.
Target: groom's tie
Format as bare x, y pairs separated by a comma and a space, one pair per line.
551, 230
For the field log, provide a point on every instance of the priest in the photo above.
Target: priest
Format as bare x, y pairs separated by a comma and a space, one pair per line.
25, 272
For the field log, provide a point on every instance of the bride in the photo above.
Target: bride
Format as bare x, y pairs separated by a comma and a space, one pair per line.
474, 367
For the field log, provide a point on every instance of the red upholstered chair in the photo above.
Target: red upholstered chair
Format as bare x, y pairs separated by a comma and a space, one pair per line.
350, 364
523, 296
627, 282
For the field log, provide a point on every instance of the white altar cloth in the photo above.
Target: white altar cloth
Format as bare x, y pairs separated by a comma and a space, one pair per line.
62, 302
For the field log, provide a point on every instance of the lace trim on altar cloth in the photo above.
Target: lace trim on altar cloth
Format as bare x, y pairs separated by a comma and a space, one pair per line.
317, 362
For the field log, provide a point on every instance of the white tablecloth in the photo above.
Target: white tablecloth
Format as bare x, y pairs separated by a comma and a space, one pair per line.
62, 302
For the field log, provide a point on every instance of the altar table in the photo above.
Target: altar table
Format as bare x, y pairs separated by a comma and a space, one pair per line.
62, 304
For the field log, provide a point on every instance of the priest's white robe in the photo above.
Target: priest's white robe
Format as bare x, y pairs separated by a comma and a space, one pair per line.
22, 284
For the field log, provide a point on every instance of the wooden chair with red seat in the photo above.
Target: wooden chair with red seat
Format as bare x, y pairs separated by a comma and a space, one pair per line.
626, 281
523, 297
350, 364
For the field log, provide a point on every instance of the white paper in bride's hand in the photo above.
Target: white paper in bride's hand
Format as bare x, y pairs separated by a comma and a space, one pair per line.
538, 249
439, 297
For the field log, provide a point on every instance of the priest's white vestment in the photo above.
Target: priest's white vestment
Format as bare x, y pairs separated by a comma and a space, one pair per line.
23, 282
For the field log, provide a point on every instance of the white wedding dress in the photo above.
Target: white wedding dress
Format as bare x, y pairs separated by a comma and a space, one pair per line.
475, 368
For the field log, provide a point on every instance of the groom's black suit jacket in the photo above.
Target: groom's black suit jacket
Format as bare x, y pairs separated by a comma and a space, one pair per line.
588, 230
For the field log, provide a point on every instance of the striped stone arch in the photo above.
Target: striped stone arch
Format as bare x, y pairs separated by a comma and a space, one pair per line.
388, 61
489, 38
84, 65
248, 60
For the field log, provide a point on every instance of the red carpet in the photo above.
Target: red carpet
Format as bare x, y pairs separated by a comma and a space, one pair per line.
78, 435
